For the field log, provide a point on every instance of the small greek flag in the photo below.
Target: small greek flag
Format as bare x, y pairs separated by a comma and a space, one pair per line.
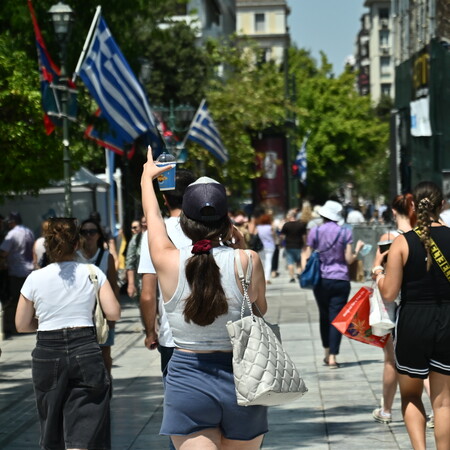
301, 160
204, 132
115, 88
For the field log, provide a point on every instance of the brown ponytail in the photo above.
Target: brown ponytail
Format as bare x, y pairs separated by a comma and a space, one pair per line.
207, 300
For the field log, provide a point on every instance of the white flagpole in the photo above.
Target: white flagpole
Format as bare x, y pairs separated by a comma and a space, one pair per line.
183, 144
87, 42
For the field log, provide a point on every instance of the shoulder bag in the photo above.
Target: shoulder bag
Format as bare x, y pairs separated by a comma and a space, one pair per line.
255, 243
310, 277
99, 319
264, 374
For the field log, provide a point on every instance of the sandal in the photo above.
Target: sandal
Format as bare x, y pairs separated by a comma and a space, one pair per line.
325, 361
334, 366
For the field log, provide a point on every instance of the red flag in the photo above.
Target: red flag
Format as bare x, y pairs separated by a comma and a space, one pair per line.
49, 73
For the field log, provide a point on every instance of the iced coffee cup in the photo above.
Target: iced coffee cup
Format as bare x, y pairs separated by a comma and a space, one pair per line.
166, 180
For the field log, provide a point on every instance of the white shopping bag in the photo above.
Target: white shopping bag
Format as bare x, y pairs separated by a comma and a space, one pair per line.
379, 319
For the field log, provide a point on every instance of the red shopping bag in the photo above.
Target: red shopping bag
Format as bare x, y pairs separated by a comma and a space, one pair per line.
353, 320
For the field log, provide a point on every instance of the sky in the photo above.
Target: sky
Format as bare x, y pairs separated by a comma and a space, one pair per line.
328, 25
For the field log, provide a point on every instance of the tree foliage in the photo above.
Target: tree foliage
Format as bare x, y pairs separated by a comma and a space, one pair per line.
248, 100
347, 137
29, 158
346, 134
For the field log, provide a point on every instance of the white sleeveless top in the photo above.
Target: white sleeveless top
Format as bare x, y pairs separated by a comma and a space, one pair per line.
190, 336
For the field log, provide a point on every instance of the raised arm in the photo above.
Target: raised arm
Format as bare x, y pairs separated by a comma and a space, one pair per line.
162, 251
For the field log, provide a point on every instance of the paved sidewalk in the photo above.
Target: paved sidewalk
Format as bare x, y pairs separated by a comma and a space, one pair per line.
334, 414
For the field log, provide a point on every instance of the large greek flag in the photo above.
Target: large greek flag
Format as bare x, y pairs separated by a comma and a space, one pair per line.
204, 132
112, 83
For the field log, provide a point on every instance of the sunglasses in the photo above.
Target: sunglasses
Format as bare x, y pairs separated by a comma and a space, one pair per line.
135, 228
88, 232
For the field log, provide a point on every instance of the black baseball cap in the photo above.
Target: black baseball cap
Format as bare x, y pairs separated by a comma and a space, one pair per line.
205, 200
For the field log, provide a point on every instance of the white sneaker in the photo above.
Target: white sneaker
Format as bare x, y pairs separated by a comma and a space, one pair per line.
380, 416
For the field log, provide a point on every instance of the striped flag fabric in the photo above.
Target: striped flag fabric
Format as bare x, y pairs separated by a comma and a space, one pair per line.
49, 73
204, 132
301, 161
110, 80
105, 137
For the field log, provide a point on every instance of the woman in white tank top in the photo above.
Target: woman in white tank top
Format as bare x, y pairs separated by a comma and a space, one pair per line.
200, 289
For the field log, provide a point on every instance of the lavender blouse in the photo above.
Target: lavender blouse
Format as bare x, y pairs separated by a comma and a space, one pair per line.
333, 264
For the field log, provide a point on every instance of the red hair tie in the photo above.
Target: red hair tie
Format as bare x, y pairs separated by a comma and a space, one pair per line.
202, 247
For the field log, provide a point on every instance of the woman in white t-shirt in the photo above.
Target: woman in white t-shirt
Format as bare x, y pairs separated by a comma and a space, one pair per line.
70, 380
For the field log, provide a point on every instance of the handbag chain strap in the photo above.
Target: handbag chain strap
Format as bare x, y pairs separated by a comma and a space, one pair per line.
245, 280
437, 255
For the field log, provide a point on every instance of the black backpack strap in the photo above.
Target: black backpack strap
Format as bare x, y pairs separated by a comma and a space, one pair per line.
99, 257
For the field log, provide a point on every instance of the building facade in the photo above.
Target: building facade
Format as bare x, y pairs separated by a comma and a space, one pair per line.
374, 51
265, 22
420, 123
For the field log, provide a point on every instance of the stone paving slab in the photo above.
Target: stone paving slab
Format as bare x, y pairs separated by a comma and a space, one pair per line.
336, 413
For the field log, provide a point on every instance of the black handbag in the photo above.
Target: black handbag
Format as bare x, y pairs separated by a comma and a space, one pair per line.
255, 243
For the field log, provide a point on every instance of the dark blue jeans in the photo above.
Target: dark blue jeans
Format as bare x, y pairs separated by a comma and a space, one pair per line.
331, 296
71, 385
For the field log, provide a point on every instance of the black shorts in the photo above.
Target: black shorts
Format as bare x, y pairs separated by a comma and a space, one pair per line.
422, 339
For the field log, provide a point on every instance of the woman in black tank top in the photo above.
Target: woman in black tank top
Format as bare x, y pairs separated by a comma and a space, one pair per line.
417, 265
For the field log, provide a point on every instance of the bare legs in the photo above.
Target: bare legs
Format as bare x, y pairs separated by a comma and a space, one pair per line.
212, 439
389, 377
413, 410
440, 400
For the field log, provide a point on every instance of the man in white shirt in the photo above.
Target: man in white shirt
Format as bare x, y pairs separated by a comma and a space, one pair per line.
151, 307
17, 250
355, 217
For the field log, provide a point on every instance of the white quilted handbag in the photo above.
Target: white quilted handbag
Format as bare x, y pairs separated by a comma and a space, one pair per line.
264, 374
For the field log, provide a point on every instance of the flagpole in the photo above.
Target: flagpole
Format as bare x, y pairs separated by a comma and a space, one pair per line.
87, 42
183, 144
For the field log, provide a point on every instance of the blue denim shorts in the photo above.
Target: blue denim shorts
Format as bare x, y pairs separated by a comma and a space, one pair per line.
200, 394
71, 386
292, 255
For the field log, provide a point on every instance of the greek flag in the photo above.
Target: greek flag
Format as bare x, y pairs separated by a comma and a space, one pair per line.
115, 88
301, 160
204, 132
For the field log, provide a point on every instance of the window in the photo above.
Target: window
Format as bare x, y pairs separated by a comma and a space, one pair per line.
386, 89
385, 66
383, 13
260, 22
384, 38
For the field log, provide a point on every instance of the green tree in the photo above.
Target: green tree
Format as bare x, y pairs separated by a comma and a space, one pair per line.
346, 134
250, 99
29, 158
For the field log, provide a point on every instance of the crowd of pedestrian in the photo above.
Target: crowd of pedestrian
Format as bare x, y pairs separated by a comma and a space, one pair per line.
182, 272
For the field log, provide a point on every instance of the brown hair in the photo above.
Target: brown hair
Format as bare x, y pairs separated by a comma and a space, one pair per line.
404, 205
264, 219
207, 300
428, 201
61, 238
